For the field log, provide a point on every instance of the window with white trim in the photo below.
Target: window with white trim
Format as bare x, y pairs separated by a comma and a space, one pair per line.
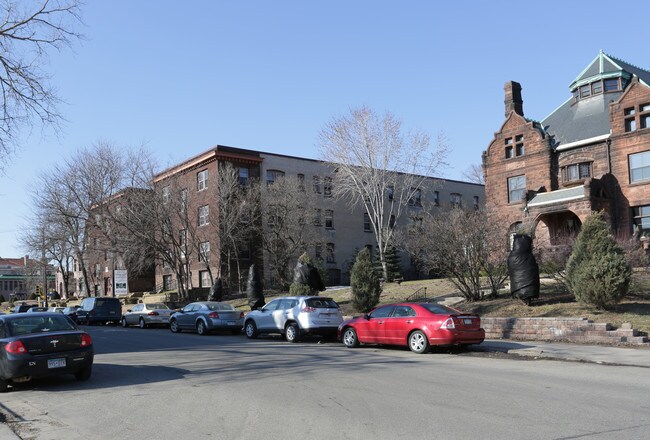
516, 188
639, 164
202, 180
204, 215
204, 251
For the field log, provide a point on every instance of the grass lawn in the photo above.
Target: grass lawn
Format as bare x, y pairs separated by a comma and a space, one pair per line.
553, 302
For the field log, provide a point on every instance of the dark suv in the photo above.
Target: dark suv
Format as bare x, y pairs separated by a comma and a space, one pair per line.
100, 309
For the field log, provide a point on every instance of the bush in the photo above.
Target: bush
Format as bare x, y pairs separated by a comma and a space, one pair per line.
296, 289
597, 272
364, 283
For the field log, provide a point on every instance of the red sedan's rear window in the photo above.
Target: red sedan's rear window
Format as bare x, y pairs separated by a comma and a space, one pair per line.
439, 309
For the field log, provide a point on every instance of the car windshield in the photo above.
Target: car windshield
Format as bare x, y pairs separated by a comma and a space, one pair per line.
439, 309
39, 324
157, 306
220, 306
322, 303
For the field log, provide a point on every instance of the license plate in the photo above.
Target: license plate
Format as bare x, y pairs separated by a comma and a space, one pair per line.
232, 323
467, 321
56, 363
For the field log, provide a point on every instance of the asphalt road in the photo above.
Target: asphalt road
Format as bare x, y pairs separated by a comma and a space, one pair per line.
152, 384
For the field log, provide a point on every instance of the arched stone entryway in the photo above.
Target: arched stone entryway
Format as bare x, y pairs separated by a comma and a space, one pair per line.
556, 229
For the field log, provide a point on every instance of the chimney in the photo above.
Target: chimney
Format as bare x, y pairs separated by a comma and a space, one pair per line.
513, 99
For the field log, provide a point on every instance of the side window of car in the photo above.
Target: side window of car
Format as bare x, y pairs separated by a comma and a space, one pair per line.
137, 308
403, 311
273, 305
285, 304
382, 312
188, 308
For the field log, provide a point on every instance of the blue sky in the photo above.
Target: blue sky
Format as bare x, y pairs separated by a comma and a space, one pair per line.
181, 77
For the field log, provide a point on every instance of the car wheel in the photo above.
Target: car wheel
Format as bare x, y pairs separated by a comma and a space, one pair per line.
292, 332
4, 384
84, 373
250, 329
173, 326
350, 338
418, 342
201, 328
142, 324
123, 321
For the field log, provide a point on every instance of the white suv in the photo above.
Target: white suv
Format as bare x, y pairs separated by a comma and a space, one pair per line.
295, 316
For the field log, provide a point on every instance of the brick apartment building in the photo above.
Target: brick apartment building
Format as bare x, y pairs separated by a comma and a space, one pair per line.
591, 153
343, 228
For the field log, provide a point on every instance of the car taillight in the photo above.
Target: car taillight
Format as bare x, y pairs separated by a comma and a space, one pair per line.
308, 309
15, 347
213, 315
86, 340
448, 324
152, 313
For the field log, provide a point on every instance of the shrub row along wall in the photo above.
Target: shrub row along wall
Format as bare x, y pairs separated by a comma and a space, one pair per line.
560, 329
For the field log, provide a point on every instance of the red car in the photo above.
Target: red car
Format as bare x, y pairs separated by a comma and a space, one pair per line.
416, 325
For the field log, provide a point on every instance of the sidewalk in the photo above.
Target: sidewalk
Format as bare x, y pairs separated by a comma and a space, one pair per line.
601, 354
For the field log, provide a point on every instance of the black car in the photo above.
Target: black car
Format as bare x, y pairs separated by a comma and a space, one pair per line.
39, 345
100, 310
71, 312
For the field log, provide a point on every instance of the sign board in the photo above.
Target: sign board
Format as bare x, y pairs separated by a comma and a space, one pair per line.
120, 278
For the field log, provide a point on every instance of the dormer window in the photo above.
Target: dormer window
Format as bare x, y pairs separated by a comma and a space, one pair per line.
576, 172
596, 88
517, 149
611, 85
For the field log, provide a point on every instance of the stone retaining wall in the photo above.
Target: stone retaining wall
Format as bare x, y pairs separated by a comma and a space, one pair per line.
560, 329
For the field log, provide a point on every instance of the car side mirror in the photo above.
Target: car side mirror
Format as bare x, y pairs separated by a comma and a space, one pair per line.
366, 317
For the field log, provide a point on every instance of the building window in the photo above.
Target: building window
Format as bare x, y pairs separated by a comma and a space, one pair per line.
516, 188
455, 200
644, 115
510, 152
273, 175
436, 198
202, 180
165, 195
390, 190
204, 215
585, 91
183, 200
578, 171
182, 239
630, 120
611, 85
317, 217
597, 88
245, 250
519, 145
329, 219
316, 180
391, 221
327, 187
639, 167
318, 252
329, 249
416, 197
301, 182
204, 278
204, 251
641, 220
366, 223
167, 282
243, 176
476, 203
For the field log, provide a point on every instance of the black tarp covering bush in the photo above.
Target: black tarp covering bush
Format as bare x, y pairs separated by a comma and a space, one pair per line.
254, 291
523, 269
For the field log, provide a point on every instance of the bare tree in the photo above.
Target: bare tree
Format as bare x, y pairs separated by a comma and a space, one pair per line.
474, 174
292, 225
380, 167
239, 220
74, 196
455, 244
29, 29
43, 235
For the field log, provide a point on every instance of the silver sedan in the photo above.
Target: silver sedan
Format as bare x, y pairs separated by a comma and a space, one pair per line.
144, 315
206, 316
